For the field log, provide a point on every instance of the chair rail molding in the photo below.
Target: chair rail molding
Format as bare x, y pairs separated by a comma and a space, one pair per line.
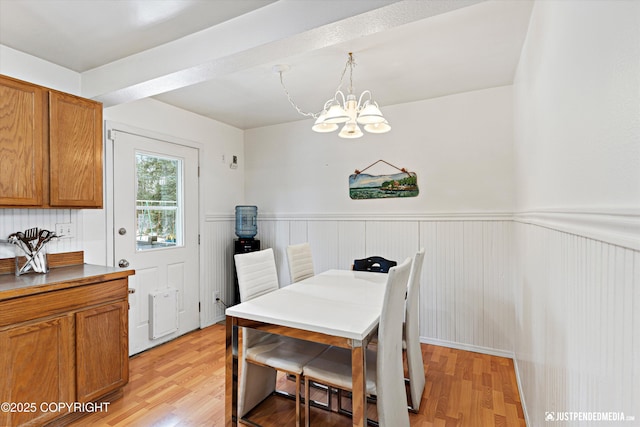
617, 226
375, 216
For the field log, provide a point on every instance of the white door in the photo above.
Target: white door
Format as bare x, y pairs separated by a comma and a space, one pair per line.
155, 189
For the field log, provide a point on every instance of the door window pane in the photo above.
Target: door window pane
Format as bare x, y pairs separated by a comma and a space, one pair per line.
158, 202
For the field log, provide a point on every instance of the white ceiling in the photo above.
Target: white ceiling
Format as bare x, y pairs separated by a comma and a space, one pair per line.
216, 57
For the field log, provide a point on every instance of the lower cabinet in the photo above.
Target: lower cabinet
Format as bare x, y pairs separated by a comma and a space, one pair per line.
37, 366
100, 334
61, 349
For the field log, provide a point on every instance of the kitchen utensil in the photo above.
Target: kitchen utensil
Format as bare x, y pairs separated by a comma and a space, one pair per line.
24, 240
43, 237
39, 256
14, 239
31, 233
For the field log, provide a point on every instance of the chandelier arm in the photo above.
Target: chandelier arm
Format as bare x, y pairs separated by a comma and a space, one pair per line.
360, 104
328, 103
293, 104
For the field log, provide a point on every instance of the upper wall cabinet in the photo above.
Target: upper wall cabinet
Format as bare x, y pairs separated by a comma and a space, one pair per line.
23, 137
75, 151
50, 148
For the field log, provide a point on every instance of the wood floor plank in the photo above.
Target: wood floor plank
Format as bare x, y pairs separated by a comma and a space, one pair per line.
181, 383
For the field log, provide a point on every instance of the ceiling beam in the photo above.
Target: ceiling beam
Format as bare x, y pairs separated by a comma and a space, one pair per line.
264, 36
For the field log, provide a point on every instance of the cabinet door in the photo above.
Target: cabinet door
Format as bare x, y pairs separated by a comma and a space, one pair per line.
36, 362
22, 141
75, 151
102, 350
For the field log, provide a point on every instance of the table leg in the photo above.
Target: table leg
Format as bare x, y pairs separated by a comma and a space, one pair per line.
358, 372
231, 373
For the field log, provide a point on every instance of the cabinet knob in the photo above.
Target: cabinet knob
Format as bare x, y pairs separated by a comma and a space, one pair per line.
122, 231
123, 263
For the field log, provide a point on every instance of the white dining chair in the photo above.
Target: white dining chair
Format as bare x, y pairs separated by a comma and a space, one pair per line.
263, 354
385, 373
300, 262
411, 333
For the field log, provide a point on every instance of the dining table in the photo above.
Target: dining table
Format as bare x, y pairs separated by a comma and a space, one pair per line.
336, 307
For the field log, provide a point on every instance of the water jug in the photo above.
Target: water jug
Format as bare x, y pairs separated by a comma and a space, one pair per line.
246, 221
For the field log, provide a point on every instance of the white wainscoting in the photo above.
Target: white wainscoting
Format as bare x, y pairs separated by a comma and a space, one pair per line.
467, 294
216, 267
566, 306
577, 304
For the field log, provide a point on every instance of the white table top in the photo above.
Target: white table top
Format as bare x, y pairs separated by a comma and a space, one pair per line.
341, 303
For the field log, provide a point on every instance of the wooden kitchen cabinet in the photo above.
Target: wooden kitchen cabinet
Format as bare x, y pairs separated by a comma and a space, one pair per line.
50, 148
100, 354
37, 366
23, 125
75, 151
63, 340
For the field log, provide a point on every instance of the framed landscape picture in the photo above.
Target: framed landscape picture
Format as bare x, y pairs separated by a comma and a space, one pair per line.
365, 186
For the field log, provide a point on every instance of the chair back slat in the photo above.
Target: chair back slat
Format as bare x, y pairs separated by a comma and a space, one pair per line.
257, 273
300, 262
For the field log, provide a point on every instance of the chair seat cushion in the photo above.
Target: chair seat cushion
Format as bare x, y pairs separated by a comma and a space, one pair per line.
334, 367
284, 353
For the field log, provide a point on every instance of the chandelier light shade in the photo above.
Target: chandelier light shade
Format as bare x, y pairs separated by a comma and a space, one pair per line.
350, 110
382, 127
322, 126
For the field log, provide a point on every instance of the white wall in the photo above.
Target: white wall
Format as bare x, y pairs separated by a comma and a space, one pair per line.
577, 159
460, 146
578, 115
16, 64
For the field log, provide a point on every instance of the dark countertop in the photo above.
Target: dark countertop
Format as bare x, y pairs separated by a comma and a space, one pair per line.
12, 286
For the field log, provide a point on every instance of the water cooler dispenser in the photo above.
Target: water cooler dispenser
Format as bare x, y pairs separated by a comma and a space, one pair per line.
246, 230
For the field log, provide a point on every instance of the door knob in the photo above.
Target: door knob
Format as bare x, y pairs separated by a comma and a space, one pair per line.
123, 263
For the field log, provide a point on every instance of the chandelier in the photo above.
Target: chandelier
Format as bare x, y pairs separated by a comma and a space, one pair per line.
350, 110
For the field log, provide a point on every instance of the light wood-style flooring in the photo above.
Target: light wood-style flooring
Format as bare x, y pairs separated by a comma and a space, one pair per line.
181, 383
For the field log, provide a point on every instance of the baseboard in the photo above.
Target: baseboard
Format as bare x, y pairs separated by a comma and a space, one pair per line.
521, 391
468, 347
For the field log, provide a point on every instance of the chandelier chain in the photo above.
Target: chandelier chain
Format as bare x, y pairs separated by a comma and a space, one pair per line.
349, 64
293, 104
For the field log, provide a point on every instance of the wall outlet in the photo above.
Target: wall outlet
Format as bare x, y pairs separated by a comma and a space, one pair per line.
66, 230
216, 296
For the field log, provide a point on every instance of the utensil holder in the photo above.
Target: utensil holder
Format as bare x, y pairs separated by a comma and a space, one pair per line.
35, 263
